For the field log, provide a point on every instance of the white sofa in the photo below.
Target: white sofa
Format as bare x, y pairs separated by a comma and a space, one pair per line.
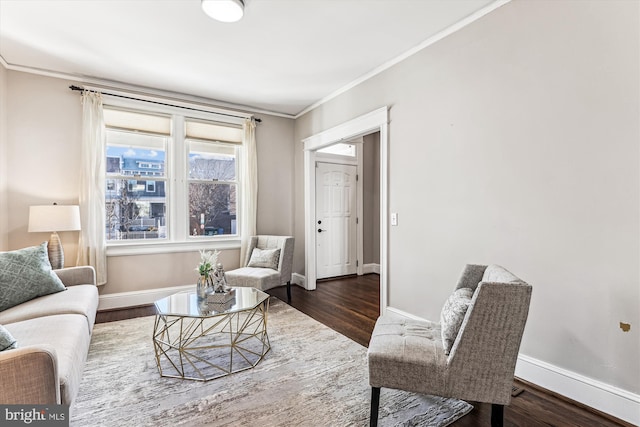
53, 333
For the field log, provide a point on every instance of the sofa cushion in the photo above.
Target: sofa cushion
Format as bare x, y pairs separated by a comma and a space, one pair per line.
264, 258
7, 341
67, 335
26, 274
452, 315
79, 299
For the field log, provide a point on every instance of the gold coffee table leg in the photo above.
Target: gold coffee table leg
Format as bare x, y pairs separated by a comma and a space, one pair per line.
204, 348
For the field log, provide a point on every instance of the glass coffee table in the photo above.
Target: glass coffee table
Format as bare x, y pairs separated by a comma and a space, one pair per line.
201, 341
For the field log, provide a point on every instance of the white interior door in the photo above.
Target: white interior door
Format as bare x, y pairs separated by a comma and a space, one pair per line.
335, 220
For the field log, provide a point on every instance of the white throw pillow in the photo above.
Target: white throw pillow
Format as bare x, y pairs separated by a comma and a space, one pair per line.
264, 258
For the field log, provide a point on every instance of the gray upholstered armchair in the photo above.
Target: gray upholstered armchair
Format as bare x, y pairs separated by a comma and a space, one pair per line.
268, 266
470, 354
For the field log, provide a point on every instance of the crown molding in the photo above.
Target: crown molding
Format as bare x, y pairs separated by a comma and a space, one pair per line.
428, 42
114, 85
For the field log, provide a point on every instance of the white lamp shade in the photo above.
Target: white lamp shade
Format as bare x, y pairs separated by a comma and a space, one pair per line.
224, 10
54, 218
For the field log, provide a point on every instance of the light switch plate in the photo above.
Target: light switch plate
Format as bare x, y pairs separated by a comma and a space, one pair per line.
394, 218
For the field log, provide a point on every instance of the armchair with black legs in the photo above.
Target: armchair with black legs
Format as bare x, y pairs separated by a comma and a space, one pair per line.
268, 263
470, 354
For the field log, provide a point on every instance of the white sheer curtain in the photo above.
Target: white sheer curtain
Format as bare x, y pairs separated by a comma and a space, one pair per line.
249, 182
92, 246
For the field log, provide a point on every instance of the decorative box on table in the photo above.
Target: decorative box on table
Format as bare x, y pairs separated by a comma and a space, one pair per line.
221, 297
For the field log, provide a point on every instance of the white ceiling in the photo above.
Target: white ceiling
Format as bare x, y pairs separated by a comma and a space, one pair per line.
283, 56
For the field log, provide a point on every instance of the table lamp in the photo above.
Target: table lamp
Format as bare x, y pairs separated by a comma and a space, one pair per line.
54, 218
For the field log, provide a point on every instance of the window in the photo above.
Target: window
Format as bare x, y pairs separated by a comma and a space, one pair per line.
132, 211
212, 178
148, 165
212, 189
170, 178
340, 149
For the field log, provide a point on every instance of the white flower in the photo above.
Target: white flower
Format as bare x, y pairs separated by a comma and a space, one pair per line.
208, 261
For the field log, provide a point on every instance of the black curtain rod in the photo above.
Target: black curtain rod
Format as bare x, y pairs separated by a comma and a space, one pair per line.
78, 88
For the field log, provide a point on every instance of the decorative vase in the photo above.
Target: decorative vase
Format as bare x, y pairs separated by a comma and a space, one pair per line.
204, 287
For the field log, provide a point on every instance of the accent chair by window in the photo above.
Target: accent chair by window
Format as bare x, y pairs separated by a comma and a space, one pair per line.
268, 263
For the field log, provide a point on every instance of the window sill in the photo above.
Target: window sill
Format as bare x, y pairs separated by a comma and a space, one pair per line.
149, 248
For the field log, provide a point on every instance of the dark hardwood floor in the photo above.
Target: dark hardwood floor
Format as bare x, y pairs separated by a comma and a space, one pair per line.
348, 305
351, 306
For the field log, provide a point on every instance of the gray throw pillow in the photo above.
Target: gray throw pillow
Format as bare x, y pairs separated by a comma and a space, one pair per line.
26, 274
497, 274
452, 315
265, 258
7, 341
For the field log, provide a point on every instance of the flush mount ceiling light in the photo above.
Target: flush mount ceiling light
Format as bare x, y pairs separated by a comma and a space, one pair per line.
224, 10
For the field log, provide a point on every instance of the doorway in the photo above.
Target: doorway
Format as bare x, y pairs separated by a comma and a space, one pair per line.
375, 121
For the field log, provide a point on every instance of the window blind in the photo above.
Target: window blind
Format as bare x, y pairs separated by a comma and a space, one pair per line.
212, 131
135, 121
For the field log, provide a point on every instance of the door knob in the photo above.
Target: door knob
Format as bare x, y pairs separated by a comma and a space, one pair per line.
320, 230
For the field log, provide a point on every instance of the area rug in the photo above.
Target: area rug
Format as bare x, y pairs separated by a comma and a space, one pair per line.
313, 376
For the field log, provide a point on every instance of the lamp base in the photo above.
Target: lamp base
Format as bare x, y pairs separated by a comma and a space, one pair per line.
56, 254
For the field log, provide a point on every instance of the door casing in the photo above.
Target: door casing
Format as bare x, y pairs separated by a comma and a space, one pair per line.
376, 120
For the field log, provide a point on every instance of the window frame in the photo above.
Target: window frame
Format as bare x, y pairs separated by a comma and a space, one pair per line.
176, 170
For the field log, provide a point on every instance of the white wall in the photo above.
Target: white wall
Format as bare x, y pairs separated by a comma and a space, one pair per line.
274, 138
4, 224
516, 141
43, 158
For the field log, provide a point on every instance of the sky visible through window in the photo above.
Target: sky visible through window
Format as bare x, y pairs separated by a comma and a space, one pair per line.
154, 155
136, 152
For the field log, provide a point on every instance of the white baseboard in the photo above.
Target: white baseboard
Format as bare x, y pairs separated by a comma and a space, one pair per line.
403, 313
606, 398
370, 268
298, 279
135, 298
